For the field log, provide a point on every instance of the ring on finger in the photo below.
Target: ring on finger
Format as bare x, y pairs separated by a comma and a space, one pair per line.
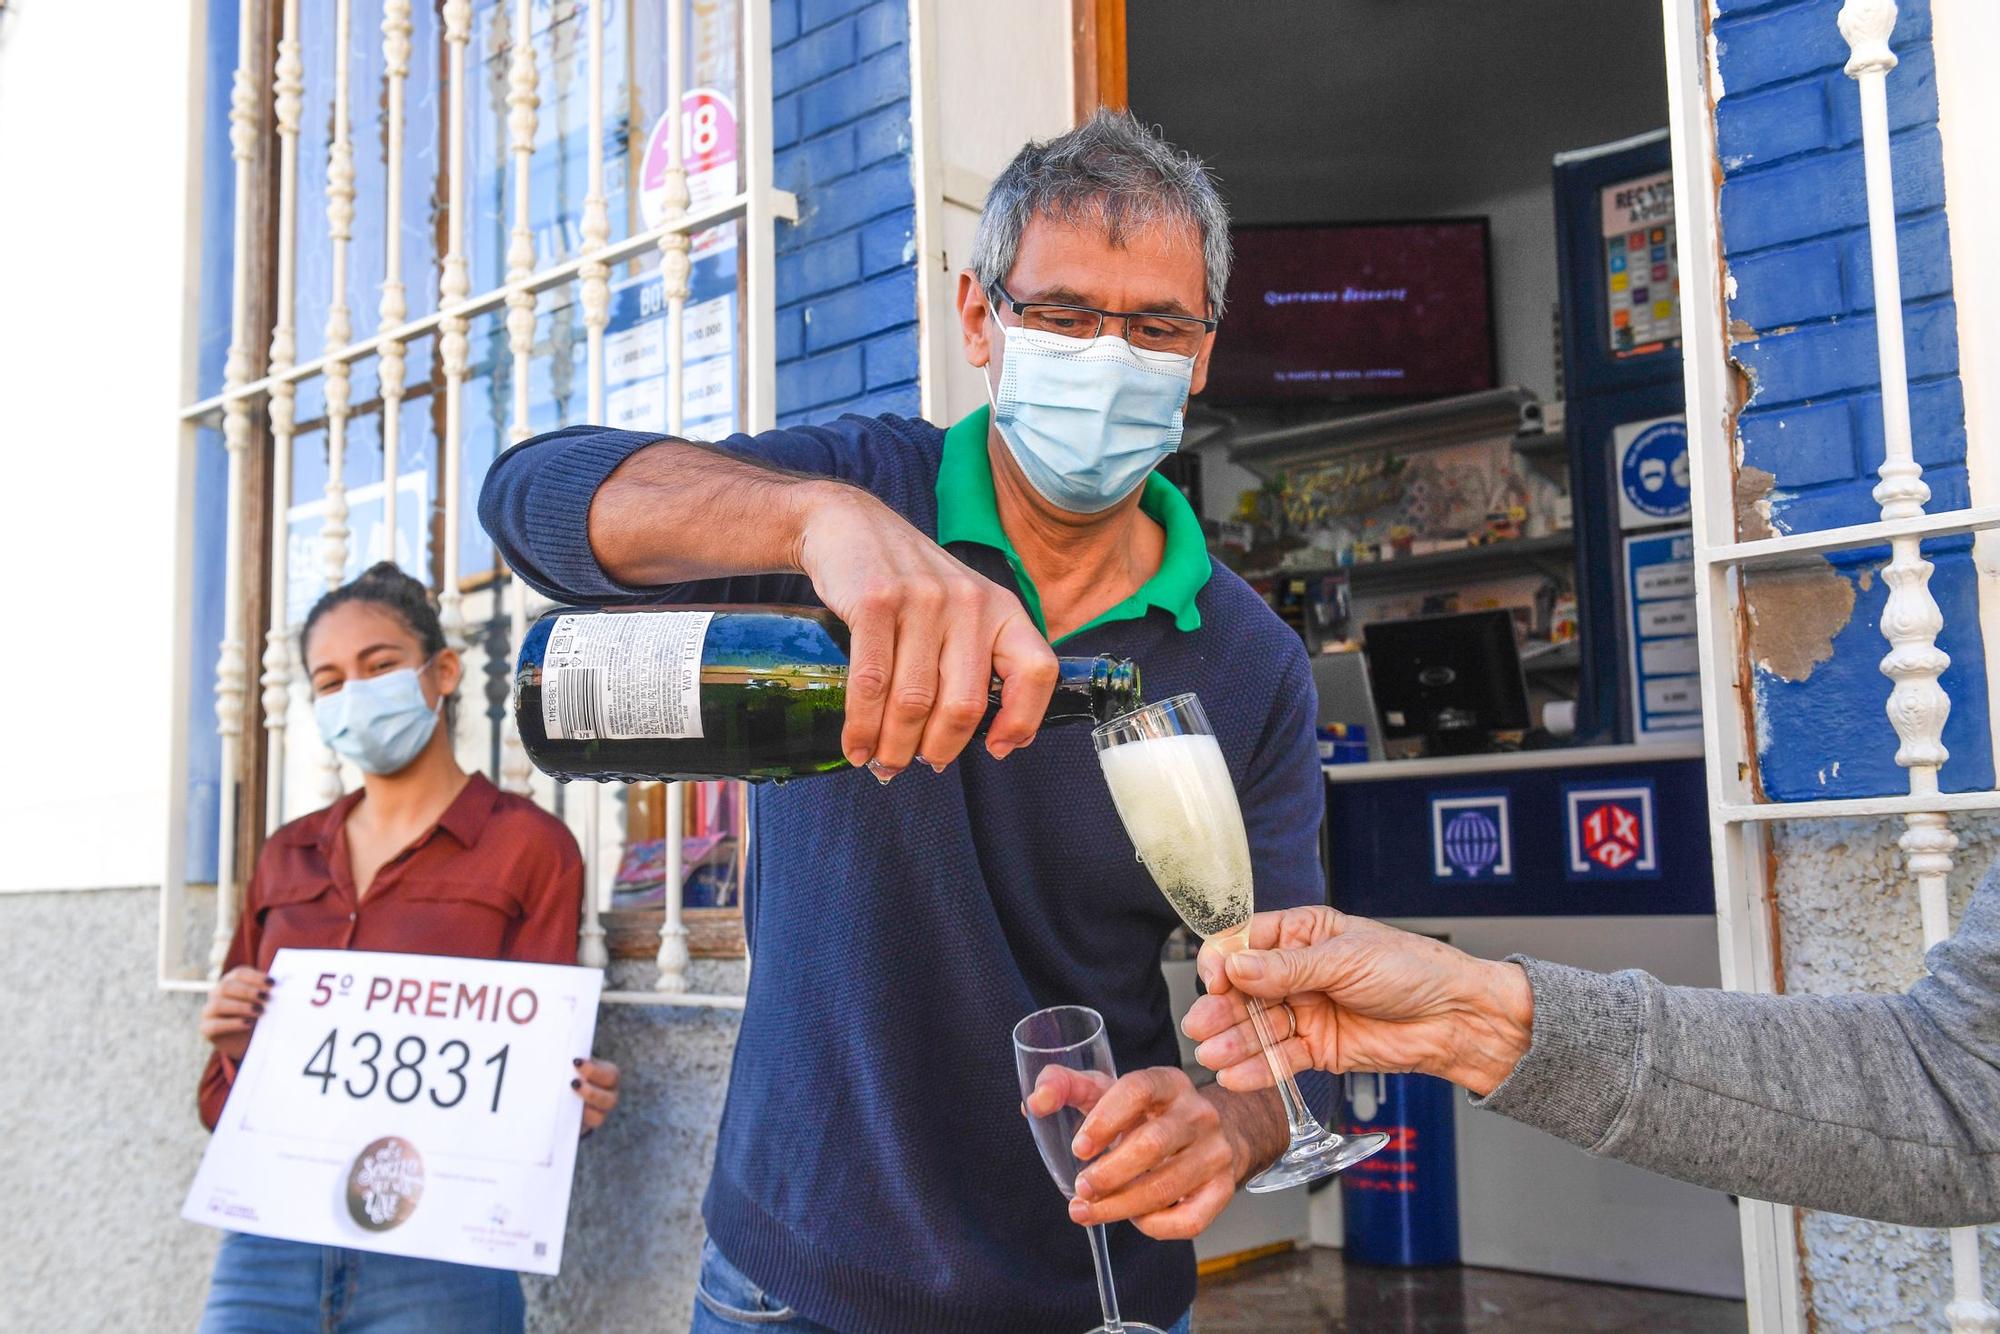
1291, 1020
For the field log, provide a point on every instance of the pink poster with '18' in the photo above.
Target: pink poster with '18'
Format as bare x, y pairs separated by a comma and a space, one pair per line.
708, 151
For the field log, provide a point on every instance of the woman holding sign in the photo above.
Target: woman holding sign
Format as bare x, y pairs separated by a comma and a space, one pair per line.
424, 859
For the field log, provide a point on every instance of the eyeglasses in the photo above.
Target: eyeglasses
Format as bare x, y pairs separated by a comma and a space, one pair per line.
1178, 334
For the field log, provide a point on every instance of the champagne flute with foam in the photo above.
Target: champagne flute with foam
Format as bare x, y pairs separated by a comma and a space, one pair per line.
1174, 796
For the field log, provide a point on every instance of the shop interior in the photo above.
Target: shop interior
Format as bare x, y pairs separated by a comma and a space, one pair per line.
1442, 436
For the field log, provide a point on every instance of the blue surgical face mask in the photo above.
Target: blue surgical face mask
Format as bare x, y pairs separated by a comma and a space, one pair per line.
1087, 418
381, 723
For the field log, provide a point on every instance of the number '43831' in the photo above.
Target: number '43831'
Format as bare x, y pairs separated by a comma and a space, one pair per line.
402, 1078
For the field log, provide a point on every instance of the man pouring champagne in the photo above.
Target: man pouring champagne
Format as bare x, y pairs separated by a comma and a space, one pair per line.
871, 1171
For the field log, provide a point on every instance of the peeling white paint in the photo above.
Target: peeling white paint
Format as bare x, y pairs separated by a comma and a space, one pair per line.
1729, 286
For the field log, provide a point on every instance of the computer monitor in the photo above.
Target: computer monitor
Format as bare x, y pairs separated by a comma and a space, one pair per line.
1452, 680
1341, 680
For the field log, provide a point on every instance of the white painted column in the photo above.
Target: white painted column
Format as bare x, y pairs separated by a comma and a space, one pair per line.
675, 266
339, 321
287, 88
1911, 618
394, 307
454, 286
595, 295
339, 330
522, 102
231, 669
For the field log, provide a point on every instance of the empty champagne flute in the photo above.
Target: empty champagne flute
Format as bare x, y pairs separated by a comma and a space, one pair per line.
1175, 798
1062, 1052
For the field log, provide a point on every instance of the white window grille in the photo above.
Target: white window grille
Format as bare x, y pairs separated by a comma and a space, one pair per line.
524, 34
1916, 704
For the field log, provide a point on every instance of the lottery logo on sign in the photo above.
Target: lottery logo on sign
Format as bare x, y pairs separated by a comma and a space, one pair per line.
1611, 832
385, 1184
1471, 838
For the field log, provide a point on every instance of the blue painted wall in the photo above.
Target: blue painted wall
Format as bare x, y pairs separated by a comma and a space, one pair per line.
847, 273
1794, 226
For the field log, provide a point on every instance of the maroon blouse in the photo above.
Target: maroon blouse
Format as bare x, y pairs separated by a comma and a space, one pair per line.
496, 877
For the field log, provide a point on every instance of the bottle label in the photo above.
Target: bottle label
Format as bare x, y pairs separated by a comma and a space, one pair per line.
612, 677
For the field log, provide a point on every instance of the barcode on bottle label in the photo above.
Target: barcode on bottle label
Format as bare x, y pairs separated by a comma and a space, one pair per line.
613, 677
578, 693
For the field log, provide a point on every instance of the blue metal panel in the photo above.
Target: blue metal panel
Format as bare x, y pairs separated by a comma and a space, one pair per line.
1604, 391
1380, 862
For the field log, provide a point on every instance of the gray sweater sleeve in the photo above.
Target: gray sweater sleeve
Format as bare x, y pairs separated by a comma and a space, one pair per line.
1884, 1107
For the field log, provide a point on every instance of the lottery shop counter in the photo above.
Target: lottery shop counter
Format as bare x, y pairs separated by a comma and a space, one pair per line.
1594, 856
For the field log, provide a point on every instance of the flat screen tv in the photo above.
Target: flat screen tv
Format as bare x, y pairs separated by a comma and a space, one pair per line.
1395, 310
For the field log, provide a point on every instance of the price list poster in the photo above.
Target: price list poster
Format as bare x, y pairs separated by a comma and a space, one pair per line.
406, 1104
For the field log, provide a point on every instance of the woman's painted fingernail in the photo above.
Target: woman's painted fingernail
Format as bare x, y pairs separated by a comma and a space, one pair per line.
257, 1009
577, 1061
576, 1084
272, 980
263, 995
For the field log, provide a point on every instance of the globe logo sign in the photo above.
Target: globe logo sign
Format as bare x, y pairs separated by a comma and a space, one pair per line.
1470, 839
1472, 842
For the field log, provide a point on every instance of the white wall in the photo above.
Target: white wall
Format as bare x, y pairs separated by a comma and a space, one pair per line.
93, 242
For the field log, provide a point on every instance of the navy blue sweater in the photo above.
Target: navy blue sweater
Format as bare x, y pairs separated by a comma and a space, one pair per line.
873, 1170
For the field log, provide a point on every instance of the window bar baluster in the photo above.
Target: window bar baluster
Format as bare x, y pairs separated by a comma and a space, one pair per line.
522, 102
454, 285
231, 666
764, 207
1911, 619
675, 265
394, 307
594, 292
287, 88
334, 532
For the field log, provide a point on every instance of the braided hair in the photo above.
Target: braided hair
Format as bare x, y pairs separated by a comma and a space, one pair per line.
385, 585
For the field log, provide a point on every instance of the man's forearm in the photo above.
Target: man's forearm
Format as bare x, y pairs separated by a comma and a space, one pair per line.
1254, 1124
675, 512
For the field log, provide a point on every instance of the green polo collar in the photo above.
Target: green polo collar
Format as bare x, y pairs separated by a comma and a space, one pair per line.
968, 512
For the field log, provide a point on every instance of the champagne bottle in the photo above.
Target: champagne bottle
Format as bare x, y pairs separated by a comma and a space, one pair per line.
649, 693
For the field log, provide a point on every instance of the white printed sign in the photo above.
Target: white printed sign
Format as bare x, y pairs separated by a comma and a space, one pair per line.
608, 676
1660, 633
406, 1104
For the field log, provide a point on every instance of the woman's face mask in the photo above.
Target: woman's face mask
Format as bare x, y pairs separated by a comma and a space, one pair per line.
380, 723
1087, 419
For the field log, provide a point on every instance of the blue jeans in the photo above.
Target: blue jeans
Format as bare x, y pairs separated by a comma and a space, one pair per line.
265, 1286
727, 1302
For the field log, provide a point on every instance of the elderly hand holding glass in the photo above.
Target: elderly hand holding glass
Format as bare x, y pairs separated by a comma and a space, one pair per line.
1362, 996
1879, 1106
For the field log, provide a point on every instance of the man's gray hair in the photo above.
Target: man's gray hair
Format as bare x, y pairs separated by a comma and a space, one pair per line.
1110, 172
